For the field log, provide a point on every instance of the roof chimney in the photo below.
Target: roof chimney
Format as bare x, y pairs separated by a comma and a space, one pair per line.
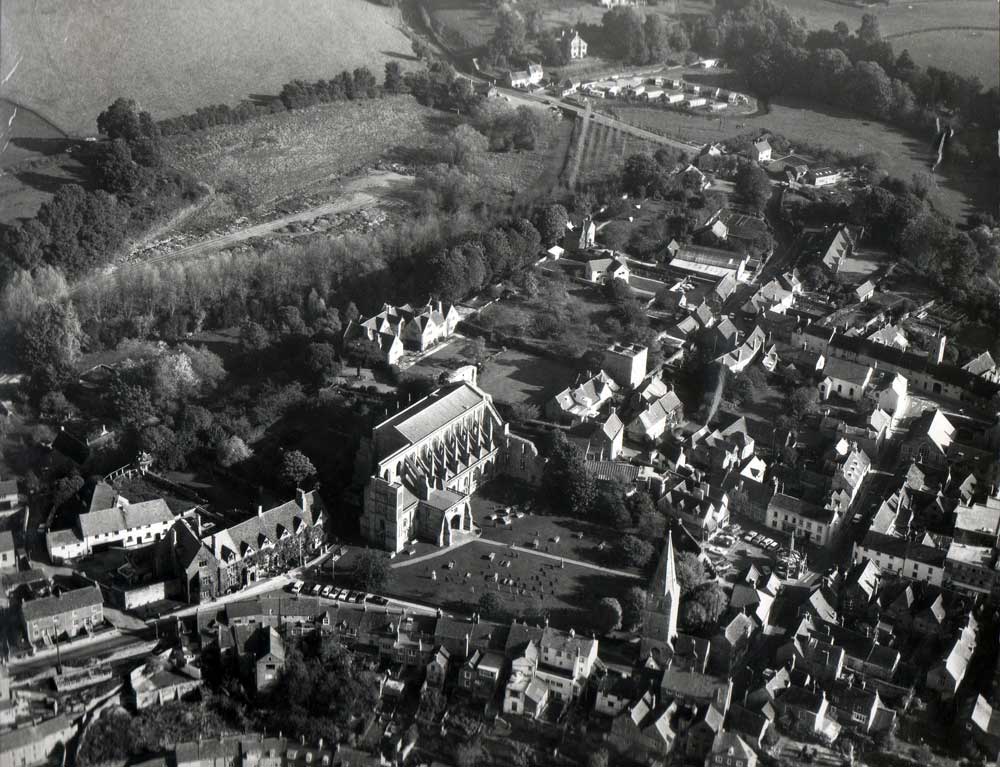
260, 510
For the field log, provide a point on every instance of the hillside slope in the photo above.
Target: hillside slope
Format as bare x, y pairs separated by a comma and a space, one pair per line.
68, 59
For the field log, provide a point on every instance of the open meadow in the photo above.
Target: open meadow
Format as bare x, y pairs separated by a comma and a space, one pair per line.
932, 31
954, 193
68, 59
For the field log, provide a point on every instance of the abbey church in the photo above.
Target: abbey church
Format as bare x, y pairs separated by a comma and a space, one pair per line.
425, 462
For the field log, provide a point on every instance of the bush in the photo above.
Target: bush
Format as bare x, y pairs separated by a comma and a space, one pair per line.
636, 552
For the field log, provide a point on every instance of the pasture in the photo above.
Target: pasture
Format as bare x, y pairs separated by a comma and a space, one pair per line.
960, 51
68, 59
953, 192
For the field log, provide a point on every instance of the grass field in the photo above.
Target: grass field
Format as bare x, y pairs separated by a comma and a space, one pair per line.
963, 52
953, 193
70, 58
275, 155
567, 592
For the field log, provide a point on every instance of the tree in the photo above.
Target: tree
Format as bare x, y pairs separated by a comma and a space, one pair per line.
393, 82
635, 551
50, 339
491, 606
133, 402
253, 337
656, 38
803, 401
633, 602
509, 38
372, 571
296, 468
616, 235
608, 615
124, 120
712, 599
693, 614
550, 221
321, 359
463, 146
116, 171
609, 506
568, 485
753, 185
652, 525
598, 758
690, 571
738, 388
231, 451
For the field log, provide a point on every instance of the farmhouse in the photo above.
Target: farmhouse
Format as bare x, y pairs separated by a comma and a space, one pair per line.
605, 270
423, 463
574, 46
761, 150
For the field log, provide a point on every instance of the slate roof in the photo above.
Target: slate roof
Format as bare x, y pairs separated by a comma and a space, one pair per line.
118, 519
788, 504
47, 607
847, 371
267, 527
20, 738
428, 415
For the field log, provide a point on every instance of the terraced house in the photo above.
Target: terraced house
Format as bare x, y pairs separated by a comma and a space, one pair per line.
70, 613
226, 560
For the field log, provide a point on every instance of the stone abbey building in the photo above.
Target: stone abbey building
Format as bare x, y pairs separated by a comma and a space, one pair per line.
424, 462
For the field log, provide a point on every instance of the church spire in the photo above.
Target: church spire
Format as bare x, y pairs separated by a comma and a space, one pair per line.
665, 579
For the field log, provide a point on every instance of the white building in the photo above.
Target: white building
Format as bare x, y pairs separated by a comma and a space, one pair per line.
803, 519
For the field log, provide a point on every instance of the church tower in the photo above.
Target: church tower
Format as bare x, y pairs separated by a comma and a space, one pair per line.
659, 618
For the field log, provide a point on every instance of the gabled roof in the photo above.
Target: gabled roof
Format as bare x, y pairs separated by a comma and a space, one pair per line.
847, 371
981, 365
118, 519
48, 607
731, 744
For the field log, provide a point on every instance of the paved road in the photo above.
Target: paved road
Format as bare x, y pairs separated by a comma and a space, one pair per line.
70, 656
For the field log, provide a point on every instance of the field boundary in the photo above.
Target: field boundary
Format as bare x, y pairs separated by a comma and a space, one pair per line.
581, 139
929, 30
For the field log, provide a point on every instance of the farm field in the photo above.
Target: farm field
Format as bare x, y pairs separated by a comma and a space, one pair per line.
953, 193
604, 152
273, 156
68, 59
34, 162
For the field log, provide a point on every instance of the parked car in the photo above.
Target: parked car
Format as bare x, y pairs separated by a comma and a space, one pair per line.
296, 587
377, 600
361, 597
326, 590
748, 537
